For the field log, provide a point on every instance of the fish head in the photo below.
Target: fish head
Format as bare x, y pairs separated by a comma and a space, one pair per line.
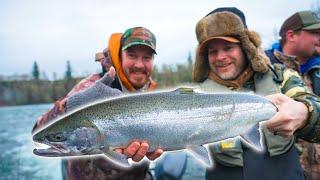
69, 138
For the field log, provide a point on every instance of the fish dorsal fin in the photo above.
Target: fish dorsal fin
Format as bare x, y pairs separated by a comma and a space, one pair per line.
201, 154
185, 90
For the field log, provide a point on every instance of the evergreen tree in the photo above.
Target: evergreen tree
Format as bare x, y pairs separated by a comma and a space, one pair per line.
35, 71
189, 59
315, 7
190, 63
68, 74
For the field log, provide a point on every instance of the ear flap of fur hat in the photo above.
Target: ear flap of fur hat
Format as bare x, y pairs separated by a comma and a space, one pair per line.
250, 43
227, 24
200, 68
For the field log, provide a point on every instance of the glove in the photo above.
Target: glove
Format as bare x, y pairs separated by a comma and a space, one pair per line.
100, 90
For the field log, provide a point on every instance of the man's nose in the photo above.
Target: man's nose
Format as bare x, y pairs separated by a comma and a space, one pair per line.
139, 62
221, 55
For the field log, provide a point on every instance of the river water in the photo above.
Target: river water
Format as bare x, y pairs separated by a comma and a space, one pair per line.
16, 158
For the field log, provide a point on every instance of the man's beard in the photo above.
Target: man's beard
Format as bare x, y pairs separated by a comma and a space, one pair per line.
225, 75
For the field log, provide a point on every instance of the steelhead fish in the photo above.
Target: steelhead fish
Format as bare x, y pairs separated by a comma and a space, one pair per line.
175, 120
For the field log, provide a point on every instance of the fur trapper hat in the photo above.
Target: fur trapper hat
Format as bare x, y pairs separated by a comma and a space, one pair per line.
227, 24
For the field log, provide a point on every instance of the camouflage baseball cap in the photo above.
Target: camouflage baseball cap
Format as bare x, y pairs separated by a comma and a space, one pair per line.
136, 36
306, 20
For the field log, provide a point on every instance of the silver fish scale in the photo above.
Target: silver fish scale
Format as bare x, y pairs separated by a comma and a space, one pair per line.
174, 121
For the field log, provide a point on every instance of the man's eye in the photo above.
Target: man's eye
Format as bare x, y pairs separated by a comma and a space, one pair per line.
227, 48
147, 58
314, 32
211, 51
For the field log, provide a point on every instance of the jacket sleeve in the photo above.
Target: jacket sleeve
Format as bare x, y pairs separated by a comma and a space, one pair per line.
99, 90
294, 87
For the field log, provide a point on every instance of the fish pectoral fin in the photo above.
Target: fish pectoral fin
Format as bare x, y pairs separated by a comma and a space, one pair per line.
201, 154
117, 158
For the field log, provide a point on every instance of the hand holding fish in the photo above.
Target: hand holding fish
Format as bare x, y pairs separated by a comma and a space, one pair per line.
138, 150
291, 116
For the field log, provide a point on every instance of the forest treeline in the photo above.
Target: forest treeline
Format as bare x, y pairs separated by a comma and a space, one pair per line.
34, 90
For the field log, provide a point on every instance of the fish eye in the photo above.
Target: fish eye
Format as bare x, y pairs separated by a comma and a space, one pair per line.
57, 137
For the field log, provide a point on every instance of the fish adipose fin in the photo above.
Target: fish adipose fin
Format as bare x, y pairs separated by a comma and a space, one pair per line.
253, 138
200, 153
185, 90
117, 158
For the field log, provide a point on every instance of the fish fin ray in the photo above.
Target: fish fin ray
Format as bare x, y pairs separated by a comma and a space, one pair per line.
117, 158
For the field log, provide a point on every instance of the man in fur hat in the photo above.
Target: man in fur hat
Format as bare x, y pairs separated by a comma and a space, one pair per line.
229, 58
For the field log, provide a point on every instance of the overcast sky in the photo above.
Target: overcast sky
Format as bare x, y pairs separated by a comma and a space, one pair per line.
52, 32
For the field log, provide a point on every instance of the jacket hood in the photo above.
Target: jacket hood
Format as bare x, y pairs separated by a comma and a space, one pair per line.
227, 24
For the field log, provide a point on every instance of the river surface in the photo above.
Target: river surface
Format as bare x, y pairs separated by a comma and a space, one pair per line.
16, 158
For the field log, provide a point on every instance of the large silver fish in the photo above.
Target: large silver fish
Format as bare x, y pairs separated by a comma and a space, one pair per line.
175, 120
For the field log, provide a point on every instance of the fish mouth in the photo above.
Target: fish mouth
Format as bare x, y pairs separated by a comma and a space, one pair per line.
50, 150
58, 150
